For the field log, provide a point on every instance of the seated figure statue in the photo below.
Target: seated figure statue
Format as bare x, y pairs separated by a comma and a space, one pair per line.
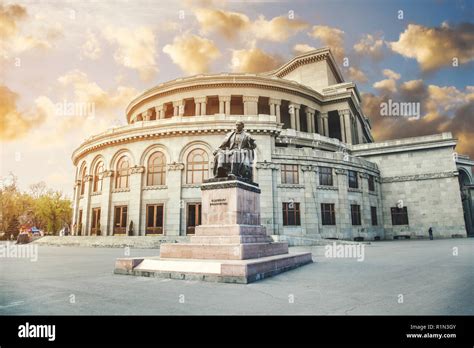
235, 156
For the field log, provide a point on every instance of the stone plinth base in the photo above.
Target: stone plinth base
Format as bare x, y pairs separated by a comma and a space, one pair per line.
230, 245
224, 271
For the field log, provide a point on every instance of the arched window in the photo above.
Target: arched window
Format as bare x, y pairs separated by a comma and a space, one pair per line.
156, 174
121, 179
83, 180
98, 174
197, 168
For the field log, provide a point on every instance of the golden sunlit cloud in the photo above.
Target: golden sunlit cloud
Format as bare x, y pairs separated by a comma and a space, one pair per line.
356, 75
436, 47
14, 40
278, 29
254, 60
231, 24
136, 49
302, 48
192, 53
332, 37
227, 24
13, 123
86, 91
371, 46
91, 48
391, 74
444, 109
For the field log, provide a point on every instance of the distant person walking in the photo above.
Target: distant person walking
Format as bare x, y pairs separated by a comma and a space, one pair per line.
430, 232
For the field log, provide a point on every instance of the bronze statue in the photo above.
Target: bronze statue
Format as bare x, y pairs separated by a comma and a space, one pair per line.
235, 156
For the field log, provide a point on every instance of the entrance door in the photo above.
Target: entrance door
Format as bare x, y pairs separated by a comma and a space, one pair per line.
154, 219
120, 220
95, 227
194, 217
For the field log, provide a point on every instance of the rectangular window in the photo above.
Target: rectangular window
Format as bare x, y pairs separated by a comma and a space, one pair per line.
355, 214
325, 176
373, 214
120, 219
353, 179
371, 183
154, 219
291, 214
399, 216
328, 214
289, 174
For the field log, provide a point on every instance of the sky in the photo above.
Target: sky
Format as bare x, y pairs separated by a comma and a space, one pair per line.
101, 54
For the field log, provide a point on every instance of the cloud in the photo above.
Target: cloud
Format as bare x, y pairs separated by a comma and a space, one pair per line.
86, 91
436, 47
254, 60
227, 24
332, 37
16, 38
389, 84
192, 53
9, 16
371, 46
443, 109
391, 74
91, 48
302, 48
357, 75
14, 123
136, 49
278, 29
232, 24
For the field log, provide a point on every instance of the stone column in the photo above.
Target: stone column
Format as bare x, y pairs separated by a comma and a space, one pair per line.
348, 124
178, 108
297, 116
197, 108
221, 105
275, 108
250, 105
174, 206
319, 119
310, 119
106, 217
77, 192
325, 123
135, 201
365, 206
227, 106
342, 126
310, 218
202, 102
294, 116
86, 207
160, 112
343, 213
272, 109
224, 104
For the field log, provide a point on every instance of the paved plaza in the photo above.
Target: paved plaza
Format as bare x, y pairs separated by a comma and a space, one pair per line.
428, 277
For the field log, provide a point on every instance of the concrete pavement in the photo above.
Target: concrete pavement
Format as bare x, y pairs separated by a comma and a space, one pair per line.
396, 277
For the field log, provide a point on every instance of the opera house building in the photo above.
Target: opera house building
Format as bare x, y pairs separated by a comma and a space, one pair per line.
320, 172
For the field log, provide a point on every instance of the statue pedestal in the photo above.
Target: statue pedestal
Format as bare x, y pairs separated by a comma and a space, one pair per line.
230, 246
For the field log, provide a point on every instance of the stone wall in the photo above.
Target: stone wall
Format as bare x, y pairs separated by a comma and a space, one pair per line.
421, 174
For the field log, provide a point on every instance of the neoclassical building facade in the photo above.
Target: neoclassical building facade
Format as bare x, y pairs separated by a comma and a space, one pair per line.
320, 172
